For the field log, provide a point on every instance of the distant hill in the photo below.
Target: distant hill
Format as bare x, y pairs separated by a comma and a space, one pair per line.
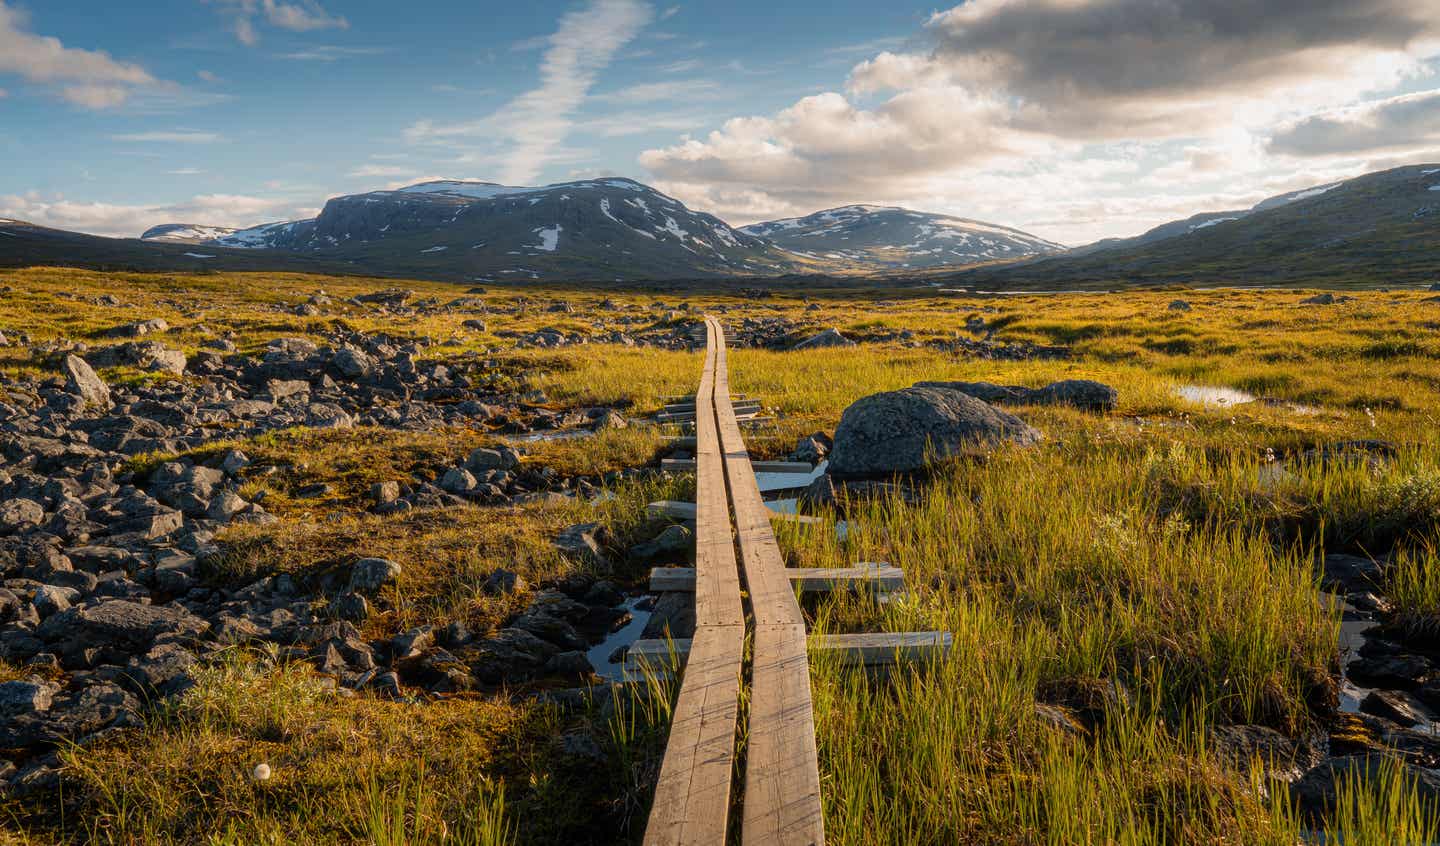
25, 244
892, 238
1378, 229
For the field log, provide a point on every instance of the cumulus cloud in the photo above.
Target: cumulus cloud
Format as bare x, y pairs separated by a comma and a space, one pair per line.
1395, 123
244, 16
535, 124
1015, 95
128, 221
88, 78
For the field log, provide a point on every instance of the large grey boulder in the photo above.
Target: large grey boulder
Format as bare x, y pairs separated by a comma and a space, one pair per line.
902, 431
81, 380
1079, 393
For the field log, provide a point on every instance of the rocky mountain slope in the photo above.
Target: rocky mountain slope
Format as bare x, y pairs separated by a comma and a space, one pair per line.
1382, 228
478, 231
892, 238
185, 233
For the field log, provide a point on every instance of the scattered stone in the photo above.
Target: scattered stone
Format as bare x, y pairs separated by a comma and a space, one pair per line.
826, 339
502, 582
368, 575
1394, 705
81, 380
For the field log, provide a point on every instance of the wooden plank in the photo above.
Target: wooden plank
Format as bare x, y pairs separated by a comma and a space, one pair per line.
877, 577
690, 406
782, 771
782, 776
692, 796
686, 511
868, 649
798, 468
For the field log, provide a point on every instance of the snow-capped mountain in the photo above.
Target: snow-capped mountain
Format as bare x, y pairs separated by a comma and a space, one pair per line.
888, 237
599, 228
185, 233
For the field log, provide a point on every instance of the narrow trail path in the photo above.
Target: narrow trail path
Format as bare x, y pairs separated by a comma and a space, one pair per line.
780, 790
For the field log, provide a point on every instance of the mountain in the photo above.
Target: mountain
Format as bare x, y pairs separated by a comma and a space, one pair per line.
1382, 228
1199, 221
185, 233
599, 229
891, 238
25, 244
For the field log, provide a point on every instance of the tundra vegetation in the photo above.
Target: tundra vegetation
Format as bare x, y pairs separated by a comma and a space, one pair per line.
1147, 605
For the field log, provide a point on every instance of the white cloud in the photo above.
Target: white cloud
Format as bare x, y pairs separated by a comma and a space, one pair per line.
297, 16
183, 136
534, 125
1396, 123
185, 171
386, 171
128, 221
1081, 118
88, 78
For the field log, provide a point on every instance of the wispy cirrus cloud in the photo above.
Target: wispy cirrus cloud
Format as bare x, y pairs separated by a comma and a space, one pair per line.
532, 127
245, 16
179, 136
332, 53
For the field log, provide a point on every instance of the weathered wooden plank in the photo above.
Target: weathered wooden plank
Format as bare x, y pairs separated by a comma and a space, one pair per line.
870, 649
686, 511
782, 774
680, 465
782, 771
877, 577
692, 796
675, 407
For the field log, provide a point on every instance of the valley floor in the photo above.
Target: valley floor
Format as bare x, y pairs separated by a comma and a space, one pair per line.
1148, 607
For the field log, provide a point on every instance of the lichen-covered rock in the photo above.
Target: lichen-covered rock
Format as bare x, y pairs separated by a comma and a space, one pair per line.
903, 431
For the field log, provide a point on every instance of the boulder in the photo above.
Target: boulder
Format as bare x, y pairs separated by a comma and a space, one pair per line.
1084, 394
1179, 305
458, 480
81, 380
1317, 792
584, 541
828, 338
370, 574
902, 431
17, 514
140, 328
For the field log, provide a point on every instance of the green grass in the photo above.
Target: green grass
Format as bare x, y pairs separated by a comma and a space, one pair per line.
1150, 573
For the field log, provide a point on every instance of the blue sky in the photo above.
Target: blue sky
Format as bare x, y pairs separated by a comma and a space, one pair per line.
234, 112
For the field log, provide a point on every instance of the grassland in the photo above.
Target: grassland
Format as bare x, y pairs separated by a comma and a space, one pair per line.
1148, 575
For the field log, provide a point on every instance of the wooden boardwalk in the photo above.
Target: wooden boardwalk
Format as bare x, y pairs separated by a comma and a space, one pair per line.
780, 793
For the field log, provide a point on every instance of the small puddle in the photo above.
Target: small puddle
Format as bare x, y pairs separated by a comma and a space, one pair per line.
773, 482
600, 653
554, 435
1213, 396
792, 506
1354, 632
